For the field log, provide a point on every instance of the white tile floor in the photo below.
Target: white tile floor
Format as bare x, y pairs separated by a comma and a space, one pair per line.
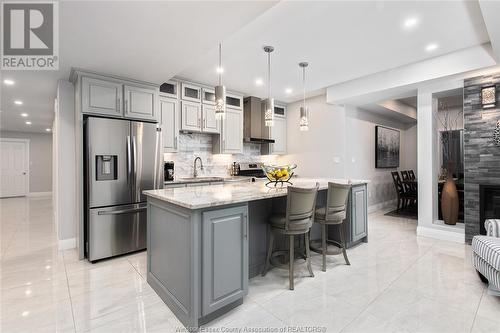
397, 283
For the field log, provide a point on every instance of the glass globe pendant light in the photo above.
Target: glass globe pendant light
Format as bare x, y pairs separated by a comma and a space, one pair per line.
304, 110
220, 91
269, 102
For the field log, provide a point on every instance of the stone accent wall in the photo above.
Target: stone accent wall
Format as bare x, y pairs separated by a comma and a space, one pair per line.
192, 145
481, 156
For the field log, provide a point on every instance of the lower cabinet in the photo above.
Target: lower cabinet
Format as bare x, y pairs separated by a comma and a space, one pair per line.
225, 257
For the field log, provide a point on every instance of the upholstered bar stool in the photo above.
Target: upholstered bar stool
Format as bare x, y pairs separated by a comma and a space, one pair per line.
334, 213
297, 220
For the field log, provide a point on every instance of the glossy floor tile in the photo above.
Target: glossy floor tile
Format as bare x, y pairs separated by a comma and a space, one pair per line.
396, 283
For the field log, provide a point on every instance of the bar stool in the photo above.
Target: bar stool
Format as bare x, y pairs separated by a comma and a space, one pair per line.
333, 214
297, 220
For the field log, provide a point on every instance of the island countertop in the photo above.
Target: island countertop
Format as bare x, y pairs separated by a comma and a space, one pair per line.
203, 196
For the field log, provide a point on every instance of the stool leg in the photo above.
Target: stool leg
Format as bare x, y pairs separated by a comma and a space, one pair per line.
292, 257
269, 253
323, 245
342, 239
308, 254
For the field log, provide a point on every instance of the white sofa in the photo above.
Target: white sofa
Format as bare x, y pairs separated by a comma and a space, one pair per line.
486, 255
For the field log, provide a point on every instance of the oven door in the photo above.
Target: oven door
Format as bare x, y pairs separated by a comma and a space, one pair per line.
116, 230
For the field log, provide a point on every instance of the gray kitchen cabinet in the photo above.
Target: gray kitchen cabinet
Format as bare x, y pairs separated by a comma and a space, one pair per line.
359, 218
101, 97
190, 116
210, 124
225, 257
169, 119
140, 102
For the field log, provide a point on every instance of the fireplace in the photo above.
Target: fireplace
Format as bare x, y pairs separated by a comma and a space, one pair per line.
489, 204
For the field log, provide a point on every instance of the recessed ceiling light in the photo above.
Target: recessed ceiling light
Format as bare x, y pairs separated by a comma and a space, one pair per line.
411, 22
24, 115
431, 47
8, 82
288, 91
219, 70
28, 123
48, 129
18, 102
259, 82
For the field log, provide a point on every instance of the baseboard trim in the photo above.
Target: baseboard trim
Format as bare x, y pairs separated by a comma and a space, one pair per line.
381, 205
446, 235
40, 194
66, 244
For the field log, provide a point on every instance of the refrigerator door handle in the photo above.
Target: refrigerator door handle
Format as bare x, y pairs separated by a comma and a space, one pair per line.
158, 167
121, 211
134, 172
129, 161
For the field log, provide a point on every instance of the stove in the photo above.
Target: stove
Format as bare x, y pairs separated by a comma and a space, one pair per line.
252, 169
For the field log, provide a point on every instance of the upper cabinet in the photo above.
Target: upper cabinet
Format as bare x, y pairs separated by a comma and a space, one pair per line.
101, 97
169, 120
190, 116
231, 139
210, 124
278, 133
234, 101
169, 89
208, 96
114, 97
191, 92
140, 102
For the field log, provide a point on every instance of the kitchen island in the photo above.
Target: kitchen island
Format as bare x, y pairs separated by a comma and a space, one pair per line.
205, 242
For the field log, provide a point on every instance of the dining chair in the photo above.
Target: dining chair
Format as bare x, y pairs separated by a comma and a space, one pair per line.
403, 196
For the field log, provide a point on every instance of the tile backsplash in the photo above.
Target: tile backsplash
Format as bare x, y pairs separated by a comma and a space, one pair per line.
192, 145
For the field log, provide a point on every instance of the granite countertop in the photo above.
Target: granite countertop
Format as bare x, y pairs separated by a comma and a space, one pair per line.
196, 197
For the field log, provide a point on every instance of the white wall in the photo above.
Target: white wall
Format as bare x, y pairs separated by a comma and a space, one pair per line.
65, 166
340, 143
40, 178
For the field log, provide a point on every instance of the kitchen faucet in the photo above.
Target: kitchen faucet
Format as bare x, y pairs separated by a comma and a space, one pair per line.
195, 172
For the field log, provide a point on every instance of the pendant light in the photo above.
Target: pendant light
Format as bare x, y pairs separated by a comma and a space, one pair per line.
304, 110
269, 102
220, 91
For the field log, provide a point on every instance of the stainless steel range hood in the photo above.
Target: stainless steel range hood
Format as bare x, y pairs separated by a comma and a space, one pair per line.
255, 130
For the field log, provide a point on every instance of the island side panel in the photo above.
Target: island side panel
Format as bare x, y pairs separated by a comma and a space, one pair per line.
173, 258
258, 215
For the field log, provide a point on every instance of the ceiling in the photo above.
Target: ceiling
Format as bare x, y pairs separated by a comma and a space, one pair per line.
342, 40
145, 40
154, 41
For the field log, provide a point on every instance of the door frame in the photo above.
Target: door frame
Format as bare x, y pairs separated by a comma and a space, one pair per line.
27, 157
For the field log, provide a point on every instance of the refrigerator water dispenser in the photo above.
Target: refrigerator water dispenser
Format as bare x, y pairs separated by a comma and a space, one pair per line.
106, 167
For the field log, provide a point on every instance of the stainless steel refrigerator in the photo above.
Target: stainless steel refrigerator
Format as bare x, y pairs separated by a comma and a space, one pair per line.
122, 159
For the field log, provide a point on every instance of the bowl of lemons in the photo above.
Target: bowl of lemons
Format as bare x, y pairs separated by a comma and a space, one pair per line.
279, 174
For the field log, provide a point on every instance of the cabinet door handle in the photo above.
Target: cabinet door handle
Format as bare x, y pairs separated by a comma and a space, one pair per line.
118, 106
175, 142
245, 226
205, 123
126, 105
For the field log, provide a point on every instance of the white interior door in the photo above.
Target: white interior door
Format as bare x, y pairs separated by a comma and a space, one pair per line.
14, 167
